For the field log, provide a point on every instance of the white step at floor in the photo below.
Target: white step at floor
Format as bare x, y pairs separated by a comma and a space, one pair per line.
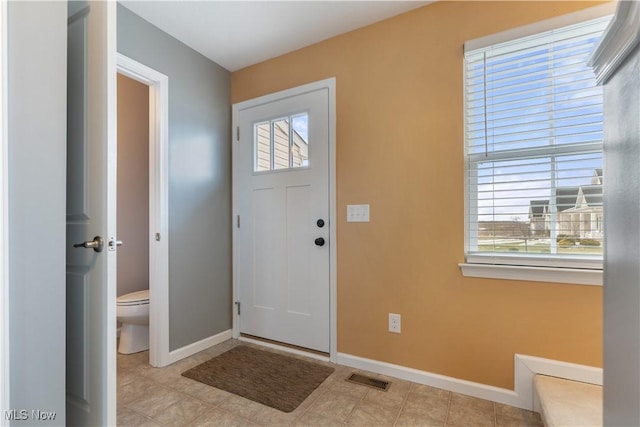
568, 403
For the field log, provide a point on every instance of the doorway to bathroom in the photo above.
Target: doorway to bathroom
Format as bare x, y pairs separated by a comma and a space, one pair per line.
142, 195
132, 202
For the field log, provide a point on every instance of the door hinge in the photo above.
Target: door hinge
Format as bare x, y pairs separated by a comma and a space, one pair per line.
238, 305
157, 237
237, 133
238, 221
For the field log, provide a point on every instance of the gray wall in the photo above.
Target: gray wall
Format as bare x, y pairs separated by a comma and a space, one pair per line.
199, 179
37, 157
622, 250
133, 185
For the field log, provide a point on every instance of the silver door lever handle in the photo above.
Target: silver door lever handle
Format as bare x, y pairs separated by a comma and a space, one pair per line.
96, 244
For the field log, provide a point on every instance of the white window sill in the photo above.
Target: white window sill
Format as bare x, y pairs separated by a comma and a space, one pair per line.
576, 276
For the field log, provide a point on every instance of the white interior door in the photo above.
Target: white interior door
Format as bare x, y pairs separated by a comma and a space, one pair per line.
91, 304
282, 193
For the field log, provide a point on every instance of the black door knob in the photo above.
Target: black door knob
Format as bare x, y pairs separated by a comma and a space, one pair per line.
320, 223
319, 241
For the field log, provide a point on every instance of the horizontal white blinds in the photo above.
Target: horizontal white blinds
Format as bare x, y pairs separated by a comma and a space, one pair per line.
534, 131
534, 92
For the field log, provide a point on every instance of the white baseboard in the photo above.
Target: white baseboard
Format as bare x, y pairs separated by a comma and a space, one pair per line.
198, 346
525, 369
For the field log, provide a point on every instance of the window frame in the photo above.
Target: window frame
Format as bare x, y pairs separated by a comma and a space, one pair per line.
585, 270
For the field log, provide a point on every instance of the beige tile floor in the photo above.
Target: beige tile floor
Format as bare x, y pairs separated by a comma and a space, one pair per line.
150, 396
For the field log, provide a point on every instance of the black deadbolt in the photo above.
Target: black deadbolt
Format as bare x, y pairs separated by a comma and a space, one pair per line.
319, 241
320, 223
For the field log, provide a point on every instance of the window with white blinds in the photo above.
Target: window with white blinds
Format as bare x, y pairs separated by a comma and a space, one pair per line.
534, 134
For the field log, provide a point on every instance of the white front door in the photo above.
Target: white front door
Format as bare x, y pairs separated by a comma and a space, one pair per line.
282, 201
91, 305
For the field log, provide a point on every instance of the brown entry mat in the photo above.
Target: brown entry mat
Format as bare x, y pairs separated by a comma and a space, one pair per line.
272, 379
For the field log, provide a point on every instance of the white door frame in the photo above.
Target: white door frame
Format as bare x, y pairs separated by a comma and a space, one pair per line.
329, 84
158, 205
4, 209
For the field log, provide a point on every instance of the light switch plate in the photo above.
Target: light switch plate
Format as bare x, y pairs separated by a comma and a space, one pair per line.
357, 213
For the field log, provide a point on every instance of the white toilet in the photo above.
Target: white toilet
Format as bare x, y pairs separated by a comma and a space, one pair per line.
133, 313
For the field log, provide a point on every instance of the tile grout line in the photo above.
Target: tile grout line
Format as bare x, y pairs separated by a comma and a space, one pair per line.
155, 384
186, 396
446, 419
495, 414
168, 390
404, 402
137, 413
354, 407
165, 409
306, 410
236, 415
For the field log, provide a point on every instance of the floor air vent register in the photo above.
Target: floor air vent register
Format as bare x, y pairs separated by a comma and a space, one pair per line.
369, 382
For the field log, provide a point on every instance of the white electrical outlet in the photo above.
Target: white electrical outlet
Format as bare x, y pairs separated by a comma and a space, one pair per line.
394, 323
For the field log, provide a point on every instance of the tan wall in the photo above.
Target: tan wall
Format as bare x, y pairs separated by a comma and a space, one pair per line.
400, 148
133, 185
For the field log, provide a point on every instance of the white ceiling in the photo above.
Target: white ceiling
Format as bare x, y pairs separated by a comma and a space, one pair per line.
236, 34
